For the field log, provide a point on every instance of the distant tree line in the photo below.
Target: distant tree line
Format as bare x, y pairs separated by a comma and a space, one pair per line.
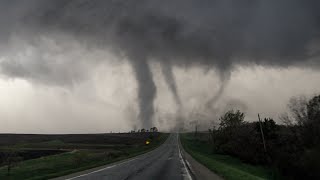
153, 129
293, 149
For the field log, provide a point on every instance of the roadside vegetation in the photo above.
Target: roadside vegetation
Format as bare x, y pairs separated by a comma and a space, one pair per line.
263, 149
32, 161
224, 165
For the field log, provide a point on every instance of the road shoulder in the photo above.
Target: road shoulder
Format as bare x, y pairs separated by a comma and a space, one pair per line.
198, 171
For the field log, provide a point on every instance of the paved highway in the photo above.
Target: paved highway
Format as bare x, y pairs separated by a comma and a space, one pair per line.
164, 162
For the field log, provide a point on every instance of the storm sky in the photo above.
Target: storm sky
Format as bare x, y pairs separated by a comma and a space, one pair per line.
70, 66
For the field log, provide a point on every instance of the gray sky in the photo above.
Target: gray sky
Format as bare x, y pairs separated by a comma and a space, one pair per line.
97, 66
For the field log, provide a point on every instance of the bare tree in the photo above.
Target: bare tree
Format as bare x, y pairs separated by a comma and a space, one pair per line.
286, 120
298, 109
12, 159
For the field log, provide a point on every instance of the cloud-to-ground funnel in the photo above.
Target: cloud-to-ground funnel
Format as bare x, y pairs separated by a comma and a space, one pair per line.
146, 91
224, 79
167, 72
208, 33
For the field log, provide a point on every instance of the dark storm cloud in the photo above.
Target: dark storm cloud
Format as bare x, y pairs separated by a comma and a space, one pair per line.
214, 33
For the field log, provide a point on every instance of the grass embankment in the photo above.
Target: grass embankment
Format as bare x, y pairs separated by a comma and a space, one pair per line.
74, 161
228, 167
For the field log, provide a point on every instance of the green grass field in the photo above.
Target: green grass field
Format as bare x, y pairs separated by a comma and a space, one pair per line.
73, 161
226, 166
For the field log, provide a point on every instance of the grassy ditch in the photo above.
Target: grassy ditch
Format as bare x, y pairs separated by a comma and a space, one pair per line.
228, 167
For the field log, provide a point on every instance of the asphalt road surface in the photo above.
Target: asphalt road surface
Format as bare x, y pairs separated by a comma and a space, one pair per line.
162, 163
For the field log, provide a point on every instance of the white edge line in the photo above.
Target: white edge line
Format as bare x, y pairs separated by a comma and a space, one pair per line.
184, 164
101, 169
189, 165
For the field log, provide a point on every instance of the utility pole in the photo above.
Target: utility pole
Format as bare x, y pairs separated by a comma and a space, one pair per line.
268, 158
263, 141
196, 129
